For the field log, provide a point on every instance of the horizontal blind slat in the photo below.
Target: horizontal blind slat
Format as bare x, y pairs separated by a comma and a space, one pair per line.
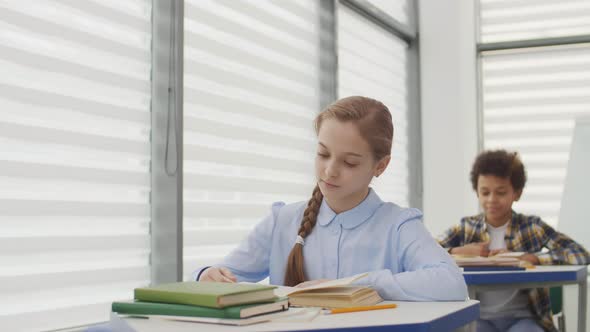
237, 184
52, 29
47, 171
203, 153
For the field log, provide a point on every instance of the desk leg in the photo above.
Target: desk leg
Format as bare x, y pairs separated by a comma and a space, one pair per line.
470, 327
117, 324
582, 300
471, 291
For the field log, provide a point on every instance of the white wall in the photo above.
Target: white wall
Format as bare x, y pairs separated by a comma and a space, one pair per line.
449, 110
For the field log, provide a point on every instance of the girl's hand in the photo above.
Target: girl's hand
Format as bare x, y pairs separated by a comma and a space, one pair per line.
219, 274
531, 258
473, 249
311, 283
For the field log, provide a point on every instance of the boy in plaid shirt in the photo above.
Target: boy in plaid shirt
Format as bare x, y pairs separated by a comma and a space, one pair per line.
498, 178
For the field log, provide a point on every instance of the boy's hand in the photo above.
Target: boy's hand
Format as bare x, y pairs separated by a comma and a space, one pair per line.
531, 258
497, 251
219, 274
473, 249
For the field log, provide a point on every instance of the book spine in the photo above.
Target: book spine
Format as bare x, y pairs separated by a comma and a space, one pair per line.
142, 308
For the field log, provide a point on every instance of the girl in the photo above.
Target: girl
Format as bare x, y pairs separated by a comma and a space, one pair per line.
498, 178
345, 228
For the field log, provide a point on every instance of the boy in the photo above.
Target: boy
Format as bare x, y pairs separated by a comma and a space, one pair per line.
498, 178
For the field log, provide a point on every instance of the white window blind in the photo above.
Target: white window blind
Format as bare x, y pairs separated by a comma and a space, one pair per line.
532, 96
505, 20
372, 62
74, 167
251, 92
530, 101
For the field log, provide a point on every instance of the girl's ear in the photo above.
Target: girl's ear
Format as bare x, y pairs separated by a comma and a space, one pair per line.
381, 165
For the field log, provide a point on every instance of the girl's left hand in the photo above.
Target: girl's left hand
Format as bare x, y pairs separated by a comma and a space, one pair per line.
531, 258
311, 283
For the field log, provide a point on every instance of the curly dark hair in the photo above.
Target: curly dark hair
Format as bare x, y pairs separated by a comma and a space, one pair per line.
500, 163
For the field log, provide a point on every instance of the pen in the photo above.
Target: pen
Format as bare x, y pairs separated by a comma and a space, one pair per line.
355, 309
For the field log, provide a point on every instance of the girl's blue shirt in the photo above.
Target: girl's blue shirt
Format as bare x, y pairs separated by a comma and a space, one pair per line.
391, 243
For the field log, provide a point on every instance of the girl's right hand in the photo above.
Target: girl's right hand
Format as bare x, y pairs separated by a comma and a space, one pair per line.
473, 249
218, 274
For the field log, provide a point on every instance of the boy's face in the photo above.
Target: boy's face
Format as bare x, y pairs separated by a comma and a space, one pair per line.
496, 196
344, 164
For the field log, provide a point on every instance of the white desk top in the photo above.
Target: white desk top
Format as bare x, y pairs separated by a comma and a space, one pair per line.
408, 316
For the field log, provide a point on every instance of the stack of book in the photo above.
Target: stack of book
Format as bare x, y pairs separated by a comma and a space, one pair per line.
208, 302
492, 263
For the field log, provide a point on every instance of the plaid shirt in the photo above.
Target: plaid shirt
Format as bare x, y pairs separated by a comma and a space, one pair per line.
529, 234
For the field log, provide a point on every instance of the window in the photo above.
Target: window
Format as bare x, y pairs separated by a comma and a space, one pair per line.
531, 96
74, 167
373, 62
251, 94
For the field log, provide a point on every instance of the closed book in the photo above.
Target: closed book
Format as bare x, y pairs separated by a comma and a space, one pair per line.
141, 308
206, 294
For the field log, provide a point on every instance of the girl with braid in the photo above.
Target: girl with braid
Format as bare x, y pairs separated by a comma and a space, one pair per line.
345, 228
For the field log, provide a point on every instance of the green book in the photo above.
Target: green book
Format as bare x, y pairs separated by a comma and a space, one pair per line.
206, 294
167, 309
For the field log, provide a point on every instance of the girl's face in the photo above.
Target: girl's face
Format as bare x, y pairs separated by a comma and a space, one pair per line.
496, 196
345, 164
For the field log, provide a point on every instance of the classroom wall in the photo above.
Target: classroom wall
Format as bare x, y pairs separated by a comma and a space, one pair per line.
449, 113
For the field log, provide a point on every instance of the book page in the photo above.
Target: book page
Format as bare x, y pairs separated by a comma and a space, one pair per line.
285, 291
510, 254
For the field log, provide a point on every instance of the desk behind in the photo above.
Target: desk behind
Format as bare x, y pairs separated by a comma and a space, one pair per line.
540, 276
546, 275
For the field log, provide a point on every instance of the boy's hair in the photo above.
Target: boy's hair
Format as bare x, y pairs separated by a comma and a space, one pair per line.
375, 126
500, 163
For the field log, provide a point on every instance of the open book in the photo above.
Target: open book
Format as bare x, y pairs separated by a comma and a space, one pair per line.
337, 293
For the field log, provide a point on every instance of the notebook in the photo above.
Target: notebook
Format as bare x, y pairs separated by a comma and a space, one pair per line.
332, 294
206, 294
141, 308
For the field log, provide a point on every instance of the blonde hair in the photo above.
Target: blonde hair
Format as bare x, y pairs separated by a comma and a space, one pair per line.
375, 126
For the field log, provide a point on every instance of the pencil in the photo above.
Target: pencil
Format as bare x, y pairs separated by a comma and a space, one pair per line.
355, 309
